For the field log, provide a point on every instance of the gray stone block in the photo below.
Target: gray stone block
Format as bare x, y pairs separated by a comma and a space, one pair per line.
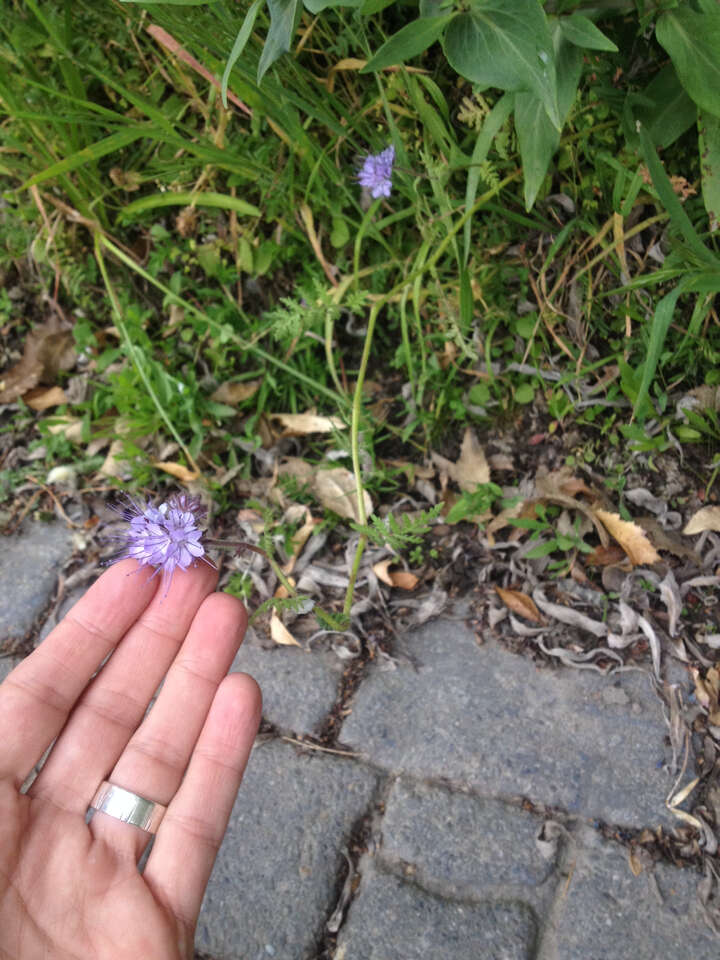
604, 911
274, 880
6, 665
299, 688
484, 717
461, 845
393, 920
29, 565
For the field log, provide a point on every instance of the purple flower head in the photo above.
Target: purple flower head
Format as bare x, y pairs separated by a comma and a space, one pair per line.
376, 173
164, 537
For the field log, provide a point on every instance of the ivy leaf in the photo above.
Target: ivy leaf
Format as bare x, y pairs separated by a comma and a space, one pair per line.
284, 16
583, 33
408, 42
693, 42
505, 44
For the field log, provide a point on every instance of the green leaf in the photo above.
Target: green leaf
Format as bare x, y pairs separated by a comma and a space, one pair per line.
317, 6
669, 111
494, 122
670, 201
538, 139
709, 143
693, 42
583, 33
171, 3
284, 16
541, 550
239, 45
525, 393
408, 42
505, 44
221, 200
115, 141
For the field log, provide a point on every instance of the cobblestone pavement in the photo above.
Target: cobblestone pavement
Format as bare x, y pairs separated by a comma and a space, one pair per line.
464, 812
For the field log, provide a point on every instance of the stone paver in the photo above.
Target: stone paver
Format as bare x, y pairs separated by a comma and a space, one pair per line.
6, 665
606, 913
393, 920
29, 565
483, 716
462, 844
299, 689
273, 883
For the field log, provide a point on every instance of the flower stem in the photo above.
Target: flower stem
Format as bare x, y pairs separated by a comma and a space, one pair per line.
357, 396
241, 545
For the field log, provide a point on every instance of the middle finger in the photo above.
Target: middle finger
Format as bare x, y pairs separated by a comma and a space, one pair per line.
114, 704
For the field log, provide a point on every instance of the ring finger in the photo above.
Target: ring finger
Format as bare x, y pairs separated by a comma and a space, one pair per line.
113, 705
154, 761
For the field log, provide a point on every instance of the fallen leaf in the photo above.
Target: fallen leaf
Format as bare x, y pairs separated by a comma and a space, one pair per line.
472, 467
43, 399
553, 485
300, 538
606, 556
300, 424
640, 859
280, 633
70, 427
397, 578
336, 490
521, 604
234, 393
630, 536
48, 349
298, 468
114, 465
708, 518
177, 470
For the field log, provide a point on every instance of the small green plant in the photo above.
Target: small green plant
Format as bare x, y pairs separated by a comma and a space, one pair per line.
477, 503
399, 532
550, 540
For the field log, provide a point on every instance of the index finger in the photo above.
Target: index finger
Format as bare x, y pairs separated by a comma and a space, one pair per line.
37, 697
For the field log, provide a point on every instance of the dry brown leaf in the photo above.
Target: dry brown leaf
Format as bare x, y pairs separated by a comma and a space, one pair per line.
336, 490
280, 633
412, 471
43, 399
48, 349
300, 538
182, 473
70, 427
630, 536
553, 486
668, 540
395, 578
708, 398
300, 424
298, 468
234, 393
708, 518
114, 465
606, 556
521, 604
472, 467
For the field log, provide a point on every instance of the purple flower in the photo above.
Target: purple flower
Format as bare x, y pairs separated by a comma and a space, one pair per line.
164, 537
376, 173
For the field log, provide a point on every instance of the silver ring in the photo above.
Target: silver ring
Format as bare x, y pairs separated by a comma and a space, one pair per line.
127, 806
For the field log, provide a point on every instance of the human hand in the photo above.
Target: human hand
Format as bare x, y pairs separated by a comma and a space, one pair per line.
73, 890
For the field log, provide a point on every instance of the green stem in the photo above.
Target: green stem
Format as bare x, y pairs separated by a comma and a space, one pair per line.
357, 396
213, 324
241, 545
134, 354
